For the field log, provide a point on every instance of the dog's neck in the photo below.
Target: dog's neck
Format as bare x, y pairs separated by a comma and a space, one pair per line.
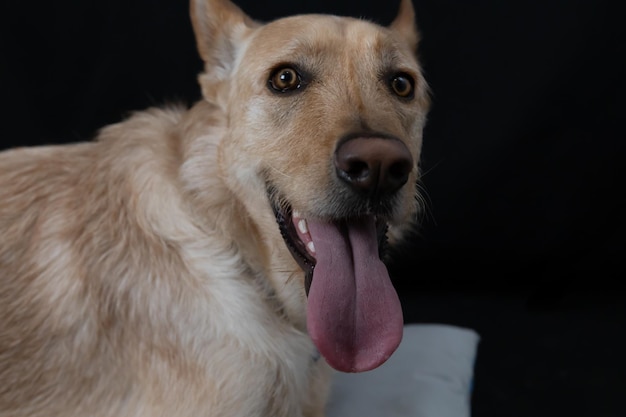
264, 255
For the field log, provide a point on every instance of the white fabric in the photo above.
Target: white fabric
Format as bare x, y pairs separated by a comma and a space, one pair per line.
430, 375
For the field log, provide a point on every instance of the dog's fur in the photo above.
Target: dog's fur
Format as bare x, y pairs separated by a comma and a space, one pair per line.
143, 273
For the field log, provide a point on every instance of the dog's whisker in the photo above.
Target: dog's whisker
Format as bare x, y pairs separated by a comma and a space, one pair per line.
279, 171
431, 168
424, 203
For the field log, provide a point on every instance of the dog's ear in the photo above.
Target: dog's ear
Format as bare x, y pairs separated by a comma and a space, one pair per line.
404, 24
220, 28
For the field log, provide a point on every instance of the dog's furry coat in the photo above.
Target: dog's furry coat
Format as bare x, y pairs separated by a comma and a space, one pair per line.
144, 274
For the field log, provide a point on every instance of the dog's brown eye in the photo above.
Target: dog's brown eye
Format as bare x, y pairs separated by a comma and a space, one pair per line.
402, 85
285, 79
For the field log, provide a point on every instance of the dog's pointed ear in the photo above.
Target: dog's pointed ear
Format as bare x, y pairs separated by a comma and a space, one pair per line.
404, 24
220, 28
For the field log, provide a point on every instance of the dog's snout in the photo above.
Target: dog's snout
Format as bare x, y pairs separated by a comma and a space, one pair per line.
373, 165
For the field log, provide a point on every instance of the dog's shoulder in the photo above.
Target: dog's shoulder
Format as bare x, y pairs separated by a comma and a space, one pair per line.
90, 193
28, 171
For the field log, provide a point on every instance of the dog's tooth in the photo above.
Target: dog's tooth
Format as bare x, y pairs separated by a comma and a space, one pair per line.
311, 247
302, 226
296, 214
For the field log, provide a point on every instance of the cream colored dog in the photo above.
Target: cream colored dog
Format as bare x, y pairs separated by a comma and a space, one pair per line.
214, 261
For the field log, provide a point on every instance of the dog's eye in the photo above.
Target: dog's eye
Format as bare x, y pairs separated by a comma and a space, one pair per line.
285, 79
402, 85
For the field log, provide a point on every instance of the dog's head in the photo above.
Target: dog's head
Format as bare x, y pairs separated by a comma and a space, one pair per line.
324, 131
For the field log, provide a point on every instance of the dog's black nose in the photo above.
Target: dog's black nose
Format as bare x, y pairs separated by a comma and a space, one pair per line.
373, 165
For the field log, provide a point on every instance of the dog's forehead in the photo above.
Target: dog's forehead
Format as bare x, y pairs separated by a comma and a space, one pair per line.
320, 37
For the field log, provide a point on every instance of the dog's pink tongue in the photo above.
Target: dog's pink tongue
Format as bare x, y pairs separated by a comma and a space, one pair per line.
354, 315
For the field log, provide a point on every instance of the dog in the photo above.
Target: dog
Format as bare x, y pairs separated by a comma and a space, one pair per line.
221, 259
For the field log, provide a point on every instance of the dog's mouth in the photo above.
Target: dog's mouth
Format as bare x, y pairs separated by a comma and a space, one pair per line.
354, 316
296, 234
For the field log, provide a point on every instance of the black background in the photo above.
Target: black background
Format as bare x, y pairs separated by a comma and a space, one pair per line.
523, 161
